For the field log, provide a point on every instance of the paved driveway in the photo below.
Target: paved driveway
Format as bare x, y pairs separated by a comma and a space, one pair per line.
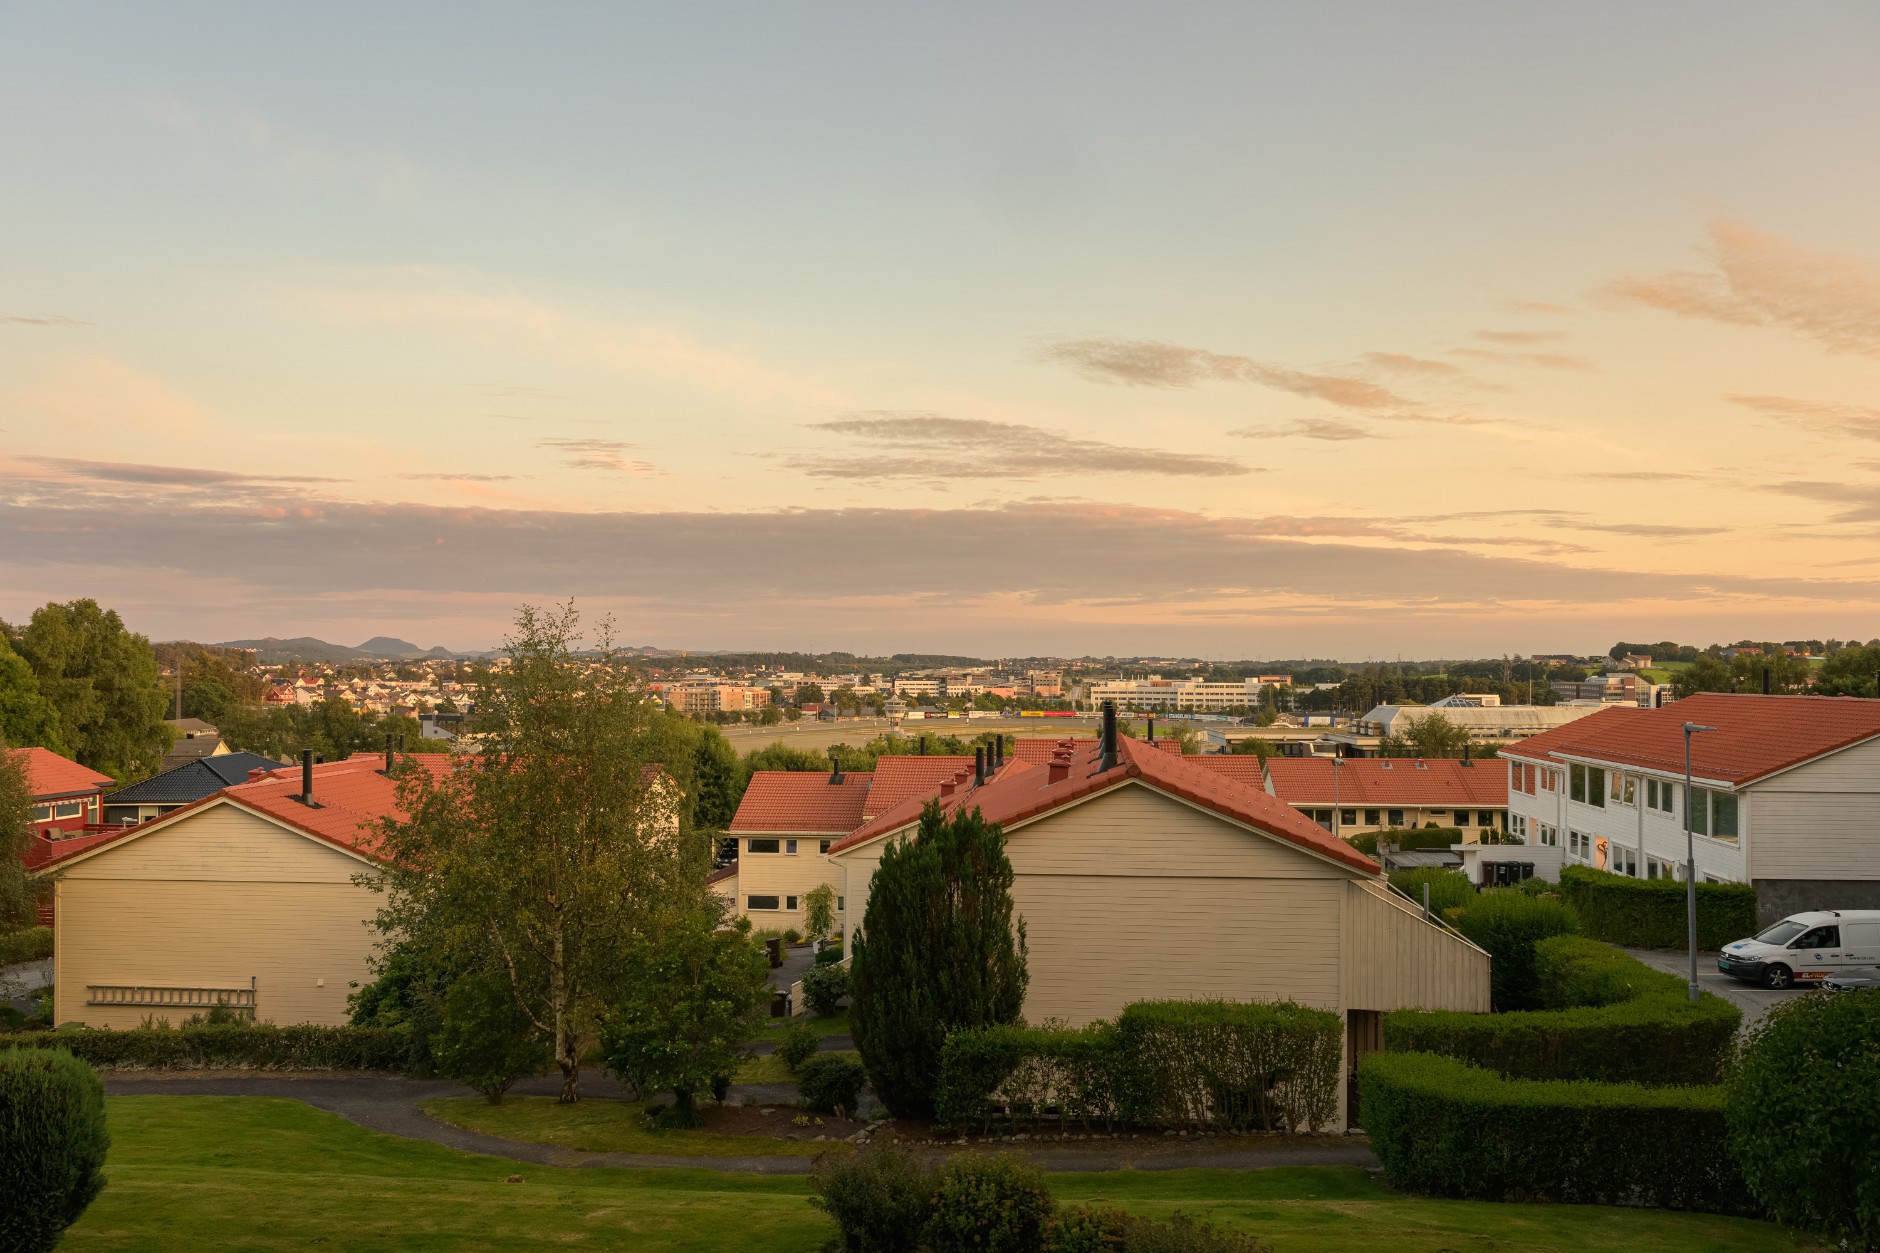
19, 983
1752, 1000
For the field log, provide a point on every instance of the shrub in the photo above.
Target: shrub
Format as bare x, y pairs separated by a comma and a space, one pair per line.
1448, 888
824, 987
1027, 1071
1409, 839
1649, 913
829, 956
1269, 1065
792, 936
1508, 924
260, 1046
994, 1204
880, 1199
486, 1040
831, 1084
1446, 1128
1607, 1017
798, 1045
1089, 1230
52, 1145
1804, 1113
29, 945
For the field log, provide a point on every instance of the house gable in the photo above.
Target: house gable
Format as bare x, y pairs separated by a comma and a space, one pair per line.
218, 841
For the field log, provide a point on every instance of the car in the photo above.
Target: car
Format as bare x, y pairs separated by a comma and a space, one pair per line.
1851, 983
1807, 948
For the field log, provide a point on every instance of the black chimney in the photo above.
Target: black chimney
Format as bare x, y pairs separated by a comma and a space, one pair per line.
1000, 741
979, 766
1108, 742
1152, 730
835, 767
923, 746
1765, 680
388, 752
1465, 754
306, 776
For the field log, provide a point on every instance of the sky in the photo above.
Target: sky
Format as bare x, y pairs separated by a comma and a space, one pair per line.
1251, 330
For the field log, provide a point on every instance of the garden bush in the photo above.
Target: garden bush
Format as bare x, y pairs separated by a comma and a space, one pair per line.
989, 1204
1449, 889
824, 987
831, 1084
52, 1145
1028, 1072
244, 1046
1606, 1017
1408, 839
1446, 1128
880, 1199
799, 1044
1649, 913
1227, 1064
486, 1040
29, 945
829, 955
1804, 1115
1508, 923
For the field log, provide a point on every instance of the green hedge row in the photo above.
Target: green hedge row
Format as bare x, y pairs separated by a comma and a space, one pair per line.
1218, 1064
1407, 839
30, 945
1609, 1017
1649, 913
1446, 1128
231, 1046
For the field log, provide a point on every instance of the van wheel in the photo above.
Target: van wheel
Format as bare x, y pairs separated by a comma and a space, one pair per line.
1778, 976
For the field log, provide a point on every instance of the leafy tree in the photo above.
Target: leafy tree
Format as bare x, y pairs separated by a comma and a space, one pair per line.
1706, 674
1252, 746
687, 1006
809, 694
486, 1040
27, 718
938, 949
214, 679
1431, 735
718, 779
546, 855
1850, 671
781, 756
819, 912
17, 894
102, 680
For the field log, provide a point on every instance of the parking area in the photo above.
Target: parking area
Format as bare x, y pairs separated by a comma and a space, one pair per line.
1752, 1000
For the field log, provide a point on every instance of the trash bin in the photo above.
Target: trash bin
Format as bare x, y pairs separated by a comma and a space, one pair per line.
779, 1003
775, 949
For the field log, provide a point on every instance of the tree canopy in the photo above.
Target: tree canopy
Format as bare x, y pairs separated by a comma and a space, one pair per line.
16, 833
27, 718
102, 682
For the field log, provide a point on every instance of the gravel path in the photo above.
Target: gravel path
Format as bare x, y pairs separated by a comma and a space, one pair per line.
390, 1104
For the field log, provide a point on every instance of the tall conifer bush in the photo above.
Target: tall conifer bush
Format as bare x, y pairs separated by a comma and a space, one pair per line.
939, 949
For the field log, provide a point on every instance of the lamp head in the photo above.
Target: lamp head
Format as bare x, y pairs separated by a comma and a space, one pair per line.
1691, 728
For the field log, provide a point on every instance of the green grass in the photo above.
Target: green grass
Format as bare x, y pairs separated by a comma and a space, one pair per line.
190, 1173
602, 1126
774, 1029
773, 1069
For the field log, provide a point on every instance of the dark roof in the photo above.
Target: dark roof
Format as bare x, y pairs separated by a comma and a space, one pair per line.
193, 780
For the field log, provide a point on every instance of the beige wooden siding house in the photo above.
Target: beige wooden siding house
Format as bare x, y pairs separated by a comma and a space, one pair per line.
1148, 876
246, 897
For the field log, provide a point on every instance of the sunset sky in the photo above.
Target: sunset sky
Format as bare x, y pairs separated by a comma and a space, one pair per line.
1229, 330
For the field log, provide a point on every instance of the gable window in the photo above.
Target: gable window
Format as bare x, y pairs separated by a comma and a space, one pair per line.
761, 846
760, 902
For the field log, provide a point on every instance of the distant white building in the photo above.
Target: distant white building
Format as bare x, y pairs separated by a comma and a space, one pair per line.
1492, 722
1175, 694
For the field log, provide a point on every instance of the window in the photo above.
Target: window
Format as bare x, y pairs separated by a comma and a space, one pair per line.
1372, 817
1624, 861
1723, 815
1700, 811
1517, 824
822, 846
1396, 817
1323, 817
760, 902
1820, 937
1548, 834
839, 904
1462, 817
789, 902
42, 813
68, 809
1484, 818
1596, 786
789, 846
1577, 774
1624, 789
1658, 795
761, 846
1348, 817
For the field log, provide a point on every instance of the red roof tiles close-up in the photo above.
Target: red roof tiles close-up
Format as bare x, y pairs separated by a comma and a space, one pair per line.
1755, 735
49, 775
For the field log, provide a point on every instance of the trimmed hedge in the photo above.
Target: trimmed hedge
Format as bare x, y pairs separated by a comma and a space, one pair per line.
233, 1046
1445, 1128
52, 1145
1218, 1064
1449, 889
32, 944
1407, 839
1649, 913
1608, 1017
1508, 923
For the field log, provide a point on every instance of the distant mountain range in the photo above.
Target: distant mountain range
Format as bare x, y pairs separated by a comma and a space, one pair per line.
273, 651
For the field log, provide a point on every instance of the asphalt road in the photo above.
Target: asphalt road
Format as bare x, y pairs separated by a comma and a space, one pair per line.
1752, 1000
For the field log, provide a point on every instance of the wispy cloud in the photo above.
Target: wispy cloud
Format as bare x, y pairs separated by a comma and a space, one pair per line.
1153, 363
1521, 337
1858, 421
935, 447
1760, 280
1403, 363
446, 477
597, 454
1547, 360
1536, 306
42, 319
1863, 499
1308, 428
1651, 530
161, 476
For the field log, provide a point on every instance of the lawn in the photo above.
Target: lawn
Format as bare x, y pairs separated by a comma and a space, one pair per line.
189, 1173
602, 1126
774, 1029
771, 1068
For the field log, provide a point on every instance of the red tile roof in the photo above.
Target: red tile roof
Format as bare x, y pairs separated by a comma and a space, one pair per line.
49, 775
1435, 782
1023, 790
350, 795
898, 778
796, 800
1756, 735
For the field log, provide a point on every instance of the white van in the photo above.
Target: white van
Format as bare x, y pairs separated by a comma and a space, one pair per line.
1806, 948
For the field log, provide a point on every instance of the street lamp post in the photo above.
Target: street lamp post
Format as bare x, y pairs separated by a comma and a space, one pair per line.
1690, 858
1336, 824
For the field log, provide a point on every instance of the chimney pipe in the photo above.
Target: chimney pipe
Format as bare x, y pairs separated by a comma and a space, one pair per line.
923, 746
306, 776
1465, 754
1000, 741
979, 766
1765, 680
388, 752
1108, 742
1152, 730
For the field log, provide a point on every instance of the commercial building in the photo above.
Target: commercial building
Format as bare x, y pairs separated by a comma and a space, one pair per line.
1175, 694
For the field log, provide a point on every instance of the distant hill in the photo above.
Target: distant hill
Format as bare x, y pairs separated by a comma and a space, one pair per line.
274, 651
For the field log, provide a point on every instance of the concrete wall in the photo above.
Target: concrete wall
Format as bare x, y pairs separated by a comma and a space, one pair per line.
1776, 899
